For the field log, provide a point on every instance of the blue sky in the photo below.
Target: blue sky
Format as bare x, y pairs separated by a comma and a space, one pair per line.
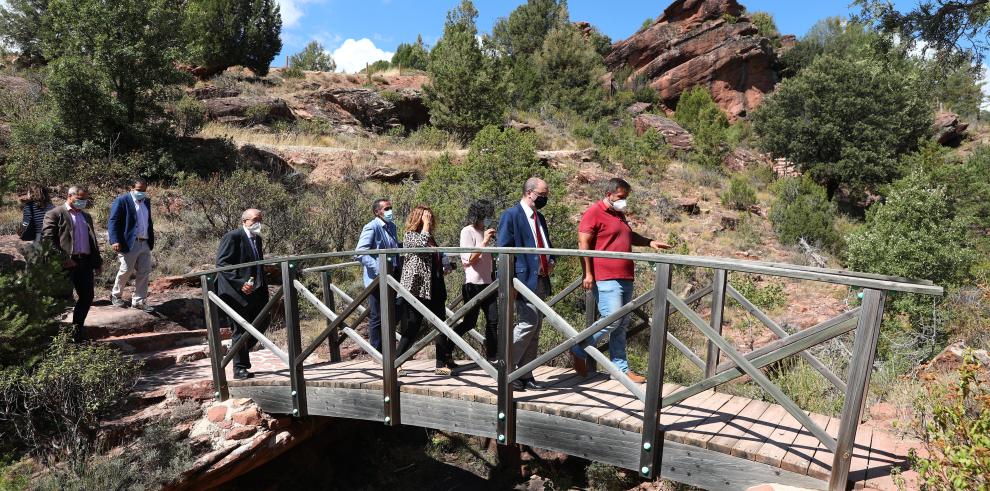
360, 31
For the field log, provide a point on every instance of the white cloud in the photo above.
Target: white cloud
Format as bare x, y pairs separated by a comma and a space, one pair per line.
353, 55
292, 11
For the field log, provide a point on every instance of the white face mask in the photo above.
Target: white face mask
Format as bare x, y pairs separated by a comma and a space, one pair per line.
254, 228
619, 205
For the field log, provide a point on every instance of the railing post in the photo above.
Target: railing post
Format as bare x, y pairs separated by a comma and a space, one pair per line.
333, 341
390, 375
590, 316
212, 315
651, 449
718, 309
293, 338
506, 423
864, 351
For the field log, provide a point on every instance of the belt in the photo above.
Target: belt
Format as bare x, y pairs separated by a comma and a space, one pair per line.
142, 240
78, 256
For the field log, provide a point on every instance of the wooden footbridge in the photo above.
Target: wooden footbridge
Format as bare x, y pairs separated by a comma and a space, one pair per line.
691, 434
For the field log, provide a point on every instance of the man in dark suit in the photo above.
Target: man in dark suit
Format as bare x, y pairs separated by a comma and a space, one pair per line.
132, 237
69, 230
244, 289
524, 226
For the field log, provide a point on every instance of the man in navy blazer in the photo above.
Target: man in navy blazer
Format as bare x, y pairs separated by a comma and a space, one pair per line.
379, 233
132, 237
524, 226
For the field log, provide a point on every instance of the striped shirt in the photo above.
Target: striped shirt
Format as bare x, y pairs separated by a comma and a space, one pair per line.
34, 216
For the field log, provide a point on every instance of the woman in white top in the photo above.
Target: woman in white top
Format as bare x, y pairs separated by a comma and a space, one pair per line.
478, 272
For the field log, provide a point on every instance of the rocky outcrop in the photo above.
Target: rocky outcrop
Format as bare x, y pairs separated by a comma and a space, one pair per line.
265, 161
248, 110
701, 42
378, 111
740, 159
212, 92
949, 130
678, 139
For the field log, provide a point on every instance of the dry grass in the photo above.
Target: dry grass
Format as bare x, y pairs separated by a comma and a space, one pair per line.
291, 138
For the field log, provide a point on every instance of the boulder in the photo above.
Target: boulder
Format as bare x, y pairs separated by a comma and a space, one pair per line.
378, 111
247, 417
163, 283
785, 168
948, 129
242, 432
638, 108
677, 138
212, 92
706, 43
689, 206
265, 160
728, 221
392, 176
217, 414
248, 110
519, 125
740, 159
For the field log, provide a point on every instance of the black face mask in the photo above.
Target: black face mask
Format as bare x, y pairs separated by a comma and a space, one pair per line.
540, 202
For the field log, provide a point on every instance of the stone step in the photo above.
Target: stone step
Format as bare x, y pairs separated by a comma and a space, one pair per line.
156, 341
159, 360
106, 321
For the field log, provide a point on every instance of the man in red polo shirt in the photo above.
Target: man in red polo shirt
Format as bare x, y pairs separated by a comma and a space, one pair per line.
604, 228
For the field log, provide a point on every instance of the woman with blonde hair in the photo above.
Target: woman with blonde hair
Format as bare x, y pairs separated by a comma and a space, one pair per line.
422, 275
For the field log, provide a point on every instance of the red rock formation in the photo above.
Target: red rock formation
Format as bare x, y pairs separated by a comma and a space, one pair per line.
949, 130
706, 43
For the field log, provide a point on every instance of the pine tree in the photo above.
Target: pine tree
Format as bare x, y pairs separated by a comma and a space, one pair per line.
313, 57
225, 33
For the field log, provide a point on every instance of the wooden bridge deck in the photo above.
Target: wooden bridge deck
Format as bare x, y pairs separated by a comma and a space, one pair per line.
743, 441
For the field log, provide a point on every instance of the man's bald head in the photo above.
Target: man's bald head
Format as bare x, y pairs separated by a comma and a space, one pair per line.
251, 215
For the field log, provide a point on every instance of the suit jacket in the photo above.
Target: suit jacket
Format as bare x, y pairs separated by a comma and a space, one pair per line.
514, 231
122, 226
235, 248
58, 231
376, 234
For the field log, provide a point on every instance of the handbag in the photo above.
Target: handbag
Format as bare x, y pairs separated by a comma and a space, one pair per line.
26, 230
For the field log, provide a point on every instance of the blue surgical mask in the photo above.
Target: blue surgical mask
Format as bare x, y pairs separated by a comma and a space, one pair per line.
80, 204
140, 195
388, 215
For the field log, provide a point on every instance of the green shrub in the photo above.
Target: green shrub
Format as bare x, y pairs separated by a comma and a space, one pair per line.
647, 22
956, 432
913, 234
430, 137
190, 116
698, 113
257, 114
816, 119
55, 407
30, 301
765, 24
570, 71
647, 152
313, 57
801, 209
293, 72
739, 195
770, 296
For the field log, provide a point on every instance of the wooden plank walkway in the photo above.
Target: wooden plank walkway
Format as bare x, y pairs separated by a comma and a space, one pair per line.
732, 425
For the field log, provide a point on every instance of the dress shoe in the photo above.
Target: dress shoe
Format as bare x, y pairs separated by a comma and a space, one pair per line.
145, 307
532, 384
519, 386
242, 373
635, 377
580, 364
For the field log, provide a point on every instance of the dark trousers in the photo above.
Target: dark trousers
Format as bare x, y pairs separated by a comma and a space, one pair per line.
490, 307
82, 281
412, 321
256, 303
375, 319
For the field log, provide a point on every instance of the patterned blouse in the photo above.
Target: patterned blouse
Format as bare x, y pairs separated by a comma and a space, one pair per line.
417, 269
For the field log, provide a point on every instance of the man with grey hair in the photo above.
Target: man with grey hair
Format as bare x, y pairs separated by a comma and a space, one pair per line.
524, 226
244, 289
69, 231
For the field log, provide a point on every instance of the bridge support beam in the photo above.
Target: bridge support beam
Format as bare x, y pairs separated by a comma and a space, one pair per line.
333, 339
293, 339
506, 408
718, 309
212, 314
390, 374
651, 448
864, 352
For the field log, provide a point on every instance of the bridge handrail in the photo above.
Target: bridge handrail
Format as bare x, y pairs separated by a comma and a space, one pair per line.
839, 277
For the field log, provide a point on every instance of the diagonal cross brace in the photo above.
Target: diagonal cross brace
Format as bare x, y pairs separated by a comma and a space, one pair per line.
258, 321
452, 319
336, 320
563, 326
781, 333
249, 328
746, 366
442, 326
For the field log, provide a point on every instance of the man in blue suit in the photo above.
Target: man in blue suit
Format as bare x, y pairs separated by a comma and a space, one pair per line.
379, 233
132, 237
524, 226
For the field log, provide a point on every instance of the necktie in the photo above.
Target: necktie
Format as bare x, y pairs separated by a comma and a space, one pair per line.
544, 261
258, 271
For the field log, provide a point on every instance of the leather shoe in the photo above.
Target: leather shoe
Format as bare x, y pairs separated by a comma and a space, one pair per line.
242, 373
580, 364
635, 377
532, 384
519, 386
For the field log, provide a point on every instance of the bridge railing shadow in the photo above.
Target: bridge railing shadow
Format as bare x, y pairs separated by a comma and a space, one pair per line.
342, 321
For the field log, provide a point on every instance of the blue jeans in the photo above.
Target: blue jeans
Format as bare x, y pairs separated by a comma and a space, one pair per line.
611, 295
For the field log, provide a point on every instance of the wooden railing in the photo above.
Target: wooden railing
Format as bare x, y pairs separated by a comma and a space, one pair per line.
864, 320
